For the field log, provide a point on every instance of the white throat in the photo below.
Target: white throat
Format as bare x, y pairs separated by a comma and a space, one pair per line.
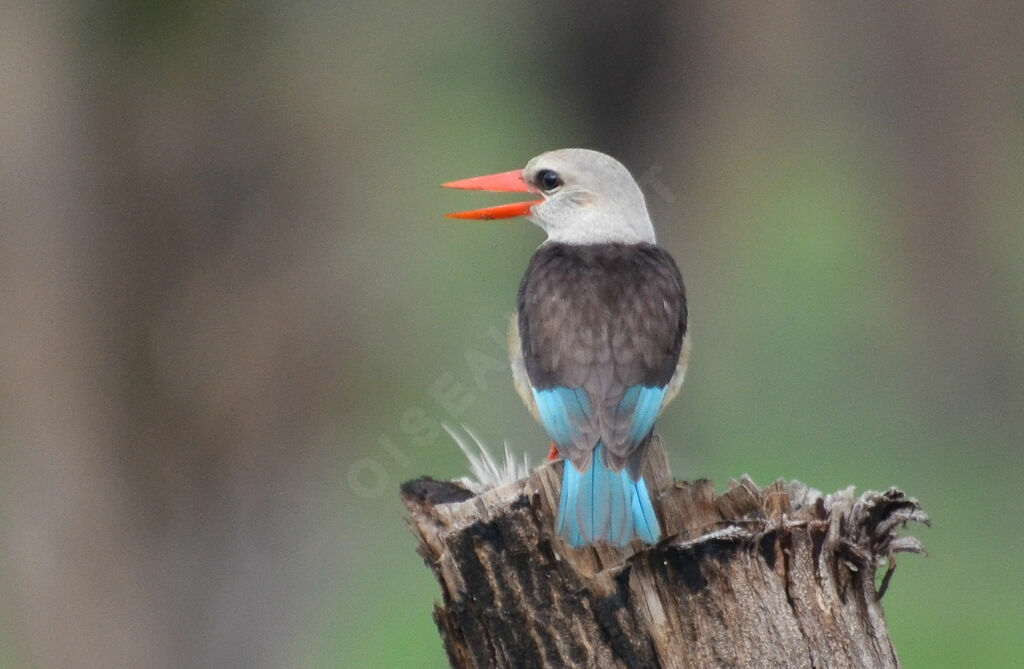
583, 218
603, 231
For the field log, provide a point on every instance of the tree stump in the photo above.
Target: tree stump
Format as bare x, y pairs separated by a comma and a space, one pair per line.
775, 577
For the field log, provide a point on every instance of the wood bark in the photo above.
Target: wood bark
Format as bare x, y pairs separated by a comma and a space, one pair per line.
781, 576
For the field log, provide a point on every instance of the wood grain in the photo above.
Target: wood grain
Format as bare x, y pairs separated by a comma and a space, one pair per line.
780, 576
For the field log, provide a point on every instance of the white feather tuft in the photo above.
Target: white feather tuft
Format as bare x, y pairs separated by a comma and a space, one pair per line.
485, 472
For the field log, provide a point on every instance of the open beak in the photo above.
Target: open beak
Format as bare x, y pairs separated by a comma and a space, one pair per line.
505, 182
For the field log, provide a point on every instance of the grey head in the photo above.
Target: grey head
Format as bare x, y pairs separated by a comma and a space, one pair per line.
589, 198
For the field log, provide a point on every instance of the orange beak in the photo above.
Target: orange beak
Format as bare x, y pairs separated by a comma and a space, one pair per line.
504, 182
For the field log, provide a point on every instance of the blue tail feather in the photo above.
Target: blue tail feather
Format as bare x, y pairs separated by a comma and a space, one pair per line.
644, 520
604, 505
569, 529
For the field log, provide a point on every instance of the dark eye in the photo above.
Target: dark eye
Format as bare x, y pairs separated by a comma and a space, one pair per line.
548, 180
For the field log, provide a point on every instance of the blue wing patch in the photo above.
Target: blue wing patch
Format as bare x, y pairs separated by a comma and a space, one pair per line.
600, 504
561, 411
643, 403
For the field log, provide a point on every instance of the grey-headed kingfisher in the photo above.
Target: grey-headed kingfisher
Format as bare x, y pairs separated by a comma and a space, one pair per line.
598, 343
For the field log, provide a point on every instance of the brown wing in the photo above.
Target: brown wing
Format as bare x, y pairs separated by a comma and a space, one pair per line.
603, 318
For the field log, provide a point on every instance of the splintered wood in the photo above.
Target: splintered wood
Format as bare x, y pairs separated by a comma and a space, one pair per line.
781, 576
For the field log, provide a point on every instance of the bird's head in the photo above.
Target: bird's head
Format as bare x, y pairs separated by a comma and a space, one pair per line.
588, 198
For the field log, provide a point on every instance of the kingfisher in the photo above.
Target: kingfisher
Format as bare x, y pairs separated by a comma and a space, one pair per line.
598, 341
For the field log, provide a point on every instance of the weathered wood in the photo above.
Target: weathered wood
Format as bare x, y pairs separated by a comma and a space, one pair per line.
775, 577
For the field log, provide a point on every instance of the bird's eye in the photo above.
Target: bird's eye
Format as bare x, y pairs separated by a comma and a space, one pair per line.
549, 180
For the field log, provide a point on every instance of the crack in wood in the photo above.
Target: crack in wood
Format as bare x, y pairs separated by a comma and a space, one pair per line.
774, 576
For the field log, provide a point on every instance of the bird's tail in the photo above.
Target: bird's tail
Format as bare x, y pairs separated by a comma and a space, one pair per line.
604, 505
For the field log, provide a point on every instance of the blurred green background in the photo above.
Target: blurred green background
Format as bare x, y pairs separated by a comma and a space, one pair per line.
233, 315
